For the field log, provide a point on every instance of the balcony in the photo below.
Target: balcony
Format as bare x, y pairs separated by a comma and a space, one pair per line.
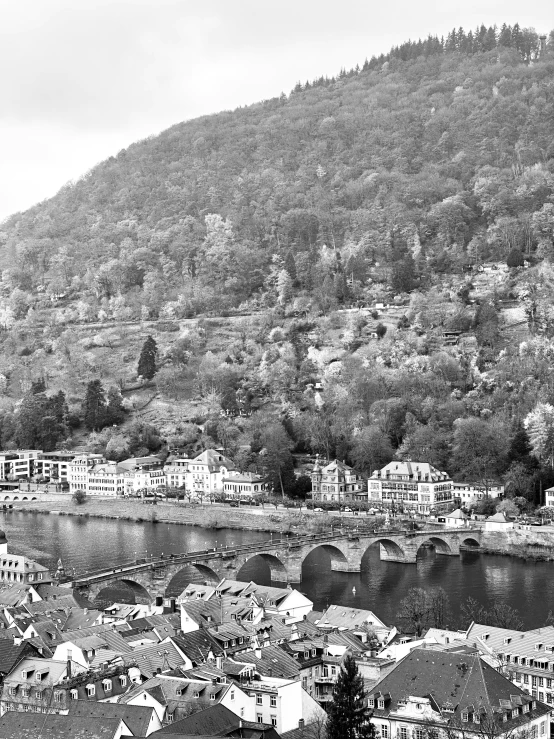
326, 679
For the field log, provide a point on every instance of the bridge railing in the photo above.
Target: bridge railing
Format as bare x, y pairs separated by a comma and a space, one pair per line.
261, 546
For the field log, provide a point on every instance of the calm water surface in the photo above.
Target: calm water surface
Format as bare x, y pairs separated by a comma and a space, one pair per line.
90, 544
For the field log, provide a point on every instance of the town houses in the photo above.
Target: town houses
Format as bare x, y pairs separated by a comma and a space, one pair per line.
415, 485
242, 659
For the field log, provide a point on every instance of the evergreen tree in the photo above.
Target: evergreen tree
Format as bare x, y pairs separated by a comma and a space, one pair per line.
349, 715
147, 360
115, 410
520, 446
94, 406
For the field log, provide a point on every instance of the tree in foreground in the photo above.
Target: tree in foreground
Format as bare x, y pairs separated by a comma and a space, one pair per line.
147, 360
349, 714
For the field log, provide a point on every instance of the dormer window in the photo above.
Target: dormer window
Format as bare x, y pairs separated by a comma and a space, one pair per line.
526, 708
381, 703
196, 694
306, 654
91, 690
476, 718
538, 646
107, 685
123, 680
74, 694
465, 717
371, 702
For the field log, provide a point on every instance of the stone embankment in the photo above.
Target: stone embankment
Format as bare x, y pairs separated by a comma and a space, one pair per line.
534, 543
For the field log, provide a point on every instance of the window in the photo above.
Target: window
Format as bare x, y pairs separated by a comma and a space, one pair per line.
259, 718
258, 699
371, 702
107, 685
381, 703
419, 734
13, 691
384, 731
232, 695
196, 694
74, 695
58, 696
170, 717
91, 690
541, 682
543, 728
273, 701
403, 732
123, 680
465, 716
212, 696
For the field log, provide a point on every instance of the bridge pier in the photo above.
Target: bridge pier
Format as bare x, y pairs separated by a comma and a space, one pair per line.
393, 555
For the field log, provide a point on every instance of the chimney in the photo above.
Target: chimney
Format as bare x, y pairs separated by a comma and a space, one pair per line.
219, 662
301, 723
172, 605
258, 653
159, 600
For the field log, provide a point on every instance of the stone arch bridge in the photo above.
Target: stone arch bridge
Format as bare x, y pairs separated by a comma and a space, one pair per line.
284, 556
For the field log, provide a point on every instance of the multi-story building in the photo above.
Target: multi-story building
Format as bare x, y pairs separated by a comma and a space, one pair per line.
16, 568
202, 475
451, 691
244, 486
467, 494
142, 474
337, 483
79, 469
526, 657
18, 463
415, 485
55, 465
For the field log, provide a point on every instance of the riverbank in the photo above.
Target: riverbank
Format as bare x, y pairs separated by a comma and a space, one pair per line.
534, 544
209, 517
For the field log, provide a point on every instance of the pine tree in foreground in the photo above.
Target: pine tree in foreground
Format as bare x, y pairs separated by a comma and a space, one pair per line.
349, 714
147, 360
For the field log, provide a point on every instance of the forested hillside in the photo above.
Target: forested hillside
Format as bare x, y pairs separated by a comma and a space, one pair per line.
392, 184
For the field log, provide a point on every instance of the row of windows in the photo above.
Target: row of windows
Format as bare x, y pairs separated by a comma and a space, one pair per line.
260, 719
272, 700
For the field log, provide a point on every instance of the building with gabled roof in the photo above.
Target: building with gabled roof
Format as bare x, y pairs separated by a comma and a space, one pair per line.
357, 620
336, 482
219, 721
411, 485
33, 685
200, 476
33, 726
526, 657
433, 689
141, 720
175, 697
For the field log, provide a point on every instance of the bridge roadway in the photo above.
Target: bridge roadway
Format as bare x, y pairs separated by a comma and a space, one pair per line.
284, 556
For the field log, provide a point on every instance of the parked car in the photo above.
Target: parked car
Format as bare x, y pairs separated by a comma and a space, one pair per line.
318, 510
347, 510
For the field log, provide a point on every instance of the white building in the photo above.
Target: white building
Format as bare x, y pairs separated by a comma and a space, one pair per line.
468, 494
498, 522
416, 485
79, 468
244, 486
18, 463
142, 474
202, 475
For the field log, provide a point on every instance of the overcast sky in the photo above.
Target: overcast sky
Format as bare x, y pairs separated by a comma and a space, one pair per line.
82, 79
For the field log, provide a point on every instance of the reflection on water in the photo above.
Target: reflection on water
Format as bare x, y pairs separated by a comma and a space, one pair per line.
90, 544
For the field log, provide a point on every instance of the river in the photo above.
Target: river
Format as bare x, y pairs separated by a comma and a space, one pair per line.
93, 543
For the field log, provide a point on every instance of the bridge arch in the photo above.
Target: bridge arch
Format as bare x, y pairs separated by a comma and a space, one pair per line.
123, 591
190, 573
339, 561
439, 544
470, 543
277, 569
390, 549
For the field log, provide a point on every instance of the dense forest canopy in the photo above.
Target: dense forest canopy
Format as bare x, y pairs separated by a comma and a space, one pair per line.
393, 183
443, 146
